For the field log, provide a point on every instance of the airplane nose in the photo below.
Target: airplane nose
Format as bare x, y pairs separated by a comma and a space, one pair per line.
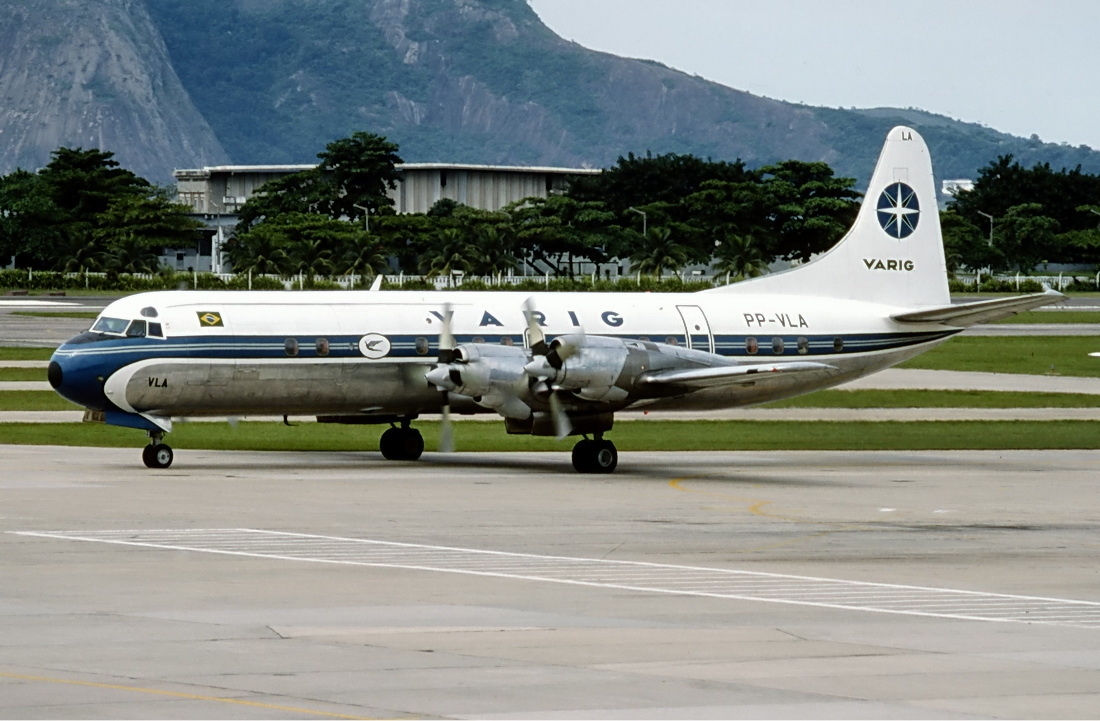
55, 375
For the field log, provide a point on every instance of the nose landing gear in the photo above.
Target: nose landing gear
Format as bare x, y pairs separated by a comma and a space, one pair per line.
157, 454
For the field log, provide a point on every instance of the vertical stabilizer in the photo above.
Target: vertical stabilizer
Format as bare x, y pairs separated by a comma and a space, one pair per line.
893, 254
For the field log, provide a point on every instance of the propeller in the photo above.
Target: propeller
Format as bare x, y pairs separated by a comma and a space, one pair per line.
442, 377
547, 361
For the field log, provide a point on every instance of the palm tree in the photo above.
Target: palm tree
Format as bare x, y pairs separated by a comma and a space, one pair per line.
495, 250
658, 252
311, 257
260, 251
741, 256
446, 253
362, 255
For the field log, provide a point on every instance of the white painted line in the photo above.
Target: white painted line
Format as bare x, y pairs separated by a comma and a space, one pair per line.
600, 573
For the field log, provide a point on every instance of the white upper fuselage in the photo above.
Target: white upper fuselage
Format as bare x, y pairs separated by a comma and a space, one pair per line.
333, 352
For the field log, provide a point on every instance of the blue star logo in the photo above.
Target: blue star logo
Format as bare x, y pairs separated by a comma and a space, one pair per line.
898, 210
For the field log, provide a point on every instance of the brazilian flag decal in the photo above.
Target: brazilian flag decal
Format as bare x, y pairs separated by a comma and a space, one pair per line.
210, 319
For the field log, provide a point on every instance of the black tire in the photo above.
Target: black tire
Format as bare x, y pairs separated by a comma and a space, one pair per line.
401, 444
158, 455
583, 456
412, 444
388, 444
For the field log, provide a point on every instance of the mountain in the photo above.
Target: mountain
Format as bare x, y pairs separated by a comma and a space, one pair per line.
94, 74
472, 81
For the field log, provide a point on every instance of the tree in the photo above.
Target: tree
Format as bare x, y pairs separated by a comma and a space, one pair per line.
742, 257
495, 250
361, 169
965, 245
448, 252
133, 228
558, 230
810, 208
657, 252
1027, 236
361, 254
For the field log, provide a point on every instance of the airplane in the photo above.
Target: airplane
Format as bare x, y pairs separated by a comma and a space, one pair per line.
550, 364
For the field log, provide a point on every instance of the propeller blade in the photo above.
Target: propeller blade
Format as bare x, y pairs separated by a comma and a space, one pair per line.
562, 425
446, 378
446, 336
446, 430
535, 337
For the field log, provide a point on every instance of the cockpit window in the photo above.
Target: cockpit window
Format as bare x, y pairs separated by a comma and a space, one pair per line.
136, 329
149, 312
155, 330
110, 325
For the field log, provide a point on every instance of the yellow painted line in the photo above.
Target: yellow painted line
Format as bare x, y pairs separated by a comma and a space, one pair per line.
755, 507
178, 694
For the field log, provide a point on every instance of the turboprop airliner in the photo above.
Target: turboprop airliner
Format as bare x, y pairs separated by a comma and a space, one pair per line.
552, 364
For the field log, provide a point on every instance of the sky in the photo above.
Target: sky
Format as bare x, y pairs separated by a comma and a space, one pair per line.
1022, 67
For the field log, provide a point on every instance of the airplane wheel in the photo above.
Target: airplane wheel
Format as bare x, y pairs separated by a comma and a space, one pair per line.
605, 458
157, 455
595, 456
387, 444
412, 444
582, 456
401, 444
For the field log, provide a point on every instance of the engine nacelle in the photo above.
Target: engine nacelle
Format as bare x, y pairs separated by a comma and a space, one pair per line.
591, 366
493, 376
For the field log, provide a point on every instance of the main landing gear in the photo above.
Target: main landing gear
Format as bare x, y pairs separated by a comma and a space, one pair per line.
401, 444
157, 454
595, 456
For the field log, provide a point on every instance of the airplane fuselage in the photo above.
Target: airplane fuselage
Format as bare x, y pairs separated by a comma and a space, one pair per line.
345, 353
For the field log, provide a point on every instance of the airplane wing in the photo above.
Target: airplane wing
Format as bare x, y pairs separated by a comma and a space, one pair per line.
727, 375
983, 311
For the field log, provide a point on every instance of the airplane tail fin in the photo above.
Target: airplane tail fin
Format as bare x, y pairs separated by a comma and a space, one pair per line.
893, 254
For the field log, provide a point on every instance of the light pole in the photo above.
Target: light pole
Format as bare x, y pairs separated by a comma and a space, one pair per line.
216, 242
641, 213
366, 216
990, 225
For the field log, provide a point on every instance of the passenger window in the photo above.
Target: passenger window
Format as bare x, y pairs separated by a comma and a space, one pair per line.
752, 346
291, 347
136, 329
506, 340
777, 346
422, 345
671, 340
803, 346
322, 346
838, 345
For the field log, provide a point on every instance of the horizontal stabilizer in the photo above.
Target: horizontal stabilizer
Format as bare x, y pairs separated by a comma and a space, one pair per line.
964, 315
727, 375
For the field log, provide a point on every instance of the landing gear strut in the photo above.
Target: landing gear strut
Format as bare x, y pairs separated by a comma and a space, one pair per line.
595, 456
157, 454
401, 444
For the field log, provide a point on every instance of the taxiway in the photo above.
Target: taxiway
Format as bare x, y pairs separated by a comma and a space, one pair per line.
702, 585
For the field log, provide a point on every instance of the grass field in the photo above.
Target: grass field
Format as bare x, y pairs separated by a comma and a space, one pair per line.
1036, 355
628, 436
1043, 317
